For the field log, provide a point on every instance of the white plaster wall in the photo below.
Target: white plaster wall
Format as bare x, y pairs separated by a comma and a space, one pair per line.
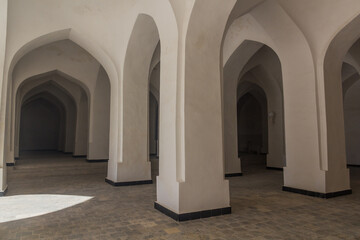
320, 20
3, 35
64, 56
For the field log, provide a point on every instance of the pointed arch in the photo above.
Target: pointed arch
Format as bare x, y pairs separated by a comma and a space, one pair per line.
81, 40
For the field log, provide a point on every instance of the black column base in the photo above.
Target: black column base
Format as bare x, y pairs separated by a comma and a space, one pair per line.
97, 160
275, 168
316, 194
2, 194
119, 184
193, 215
353, 165
11, 164
233, 174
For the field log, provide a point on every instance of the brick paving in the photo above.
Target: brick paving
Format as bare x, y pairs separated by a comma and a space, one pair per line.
260, 209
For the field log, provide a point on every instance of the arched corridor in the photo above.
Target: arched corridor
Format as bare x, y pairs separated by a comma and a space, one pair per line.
85, 106
252, 131
40, 127
252, 75
117, 118
60, 104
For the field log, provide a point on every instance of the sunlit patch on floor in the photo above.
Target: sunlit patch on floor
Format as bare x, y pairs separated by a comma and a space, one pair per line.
26, 206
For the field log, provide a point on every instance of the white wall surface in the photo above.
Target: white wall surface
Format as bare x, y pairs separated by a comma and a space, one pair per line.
3, 35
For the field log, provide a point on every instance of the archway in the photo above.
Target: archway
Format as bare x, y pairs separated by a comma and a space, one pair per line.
134, 166
252, 132
351, 123
76, 81
255, 69
305, 170
51, 97
40, 127
339, 86
32, 88
252, 129
351, 92
72, 96
252, 121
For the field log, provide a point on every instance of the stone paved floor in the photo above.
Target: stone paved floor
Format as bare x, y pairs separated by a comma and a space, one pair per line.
260, 209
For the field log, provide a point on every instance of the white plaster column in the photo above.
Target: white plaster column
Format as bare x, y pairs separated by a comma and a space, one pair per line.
99, 126
82, 127
134, 166
337, 176
200, 164
302, 172
3, 97
333, 148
